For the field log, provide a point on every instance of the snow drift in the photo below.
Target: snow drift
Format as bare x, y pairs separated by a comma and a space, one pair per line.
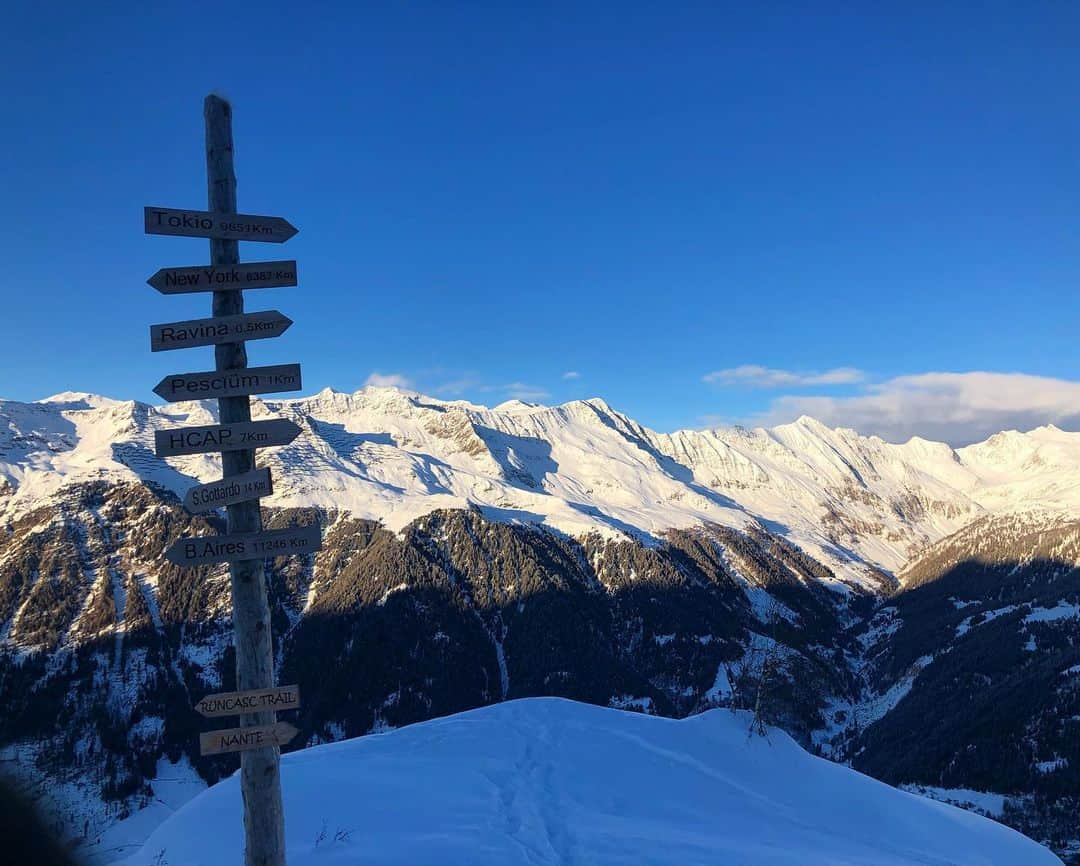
549, 781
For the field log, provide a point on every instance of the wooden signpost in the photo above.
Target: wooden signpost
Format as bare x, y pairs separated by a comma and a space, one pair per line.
245, 546
211, 332
207, 278
229, 491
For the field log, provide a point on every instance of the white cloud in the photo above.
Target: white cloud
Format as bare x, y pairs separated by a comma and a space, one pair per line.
755, 376
571, 374
389, 380
958, 408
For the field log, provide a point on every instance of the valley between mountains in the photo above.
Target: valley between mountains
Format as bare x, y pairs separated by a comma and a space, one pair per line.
910, 609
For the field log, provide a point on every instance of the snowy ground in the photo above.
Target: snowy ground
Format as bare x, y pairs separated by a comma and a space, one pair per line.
985, 802
547, 781
174, 785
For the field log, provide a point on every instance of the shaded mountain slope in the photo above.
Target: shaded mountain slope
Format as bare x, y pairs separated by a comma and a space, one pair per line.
982, 651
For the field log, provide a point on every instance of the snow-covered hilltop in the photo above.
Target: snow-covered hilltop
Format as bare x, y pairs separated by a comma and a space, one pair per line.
393, 455
545, 781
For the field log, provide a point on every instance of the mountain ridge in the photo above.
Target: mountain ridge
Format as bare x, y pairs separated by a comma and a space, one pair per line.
392, 455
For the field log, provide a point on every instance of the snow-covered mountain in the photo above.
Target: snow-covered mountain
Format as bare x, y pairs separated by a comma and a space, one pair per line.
546, 782
390, 455
483, 555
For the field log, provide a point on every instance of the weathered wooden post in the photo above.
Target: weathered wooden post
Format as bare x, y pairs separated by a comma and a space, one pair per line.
260, 772
245, 546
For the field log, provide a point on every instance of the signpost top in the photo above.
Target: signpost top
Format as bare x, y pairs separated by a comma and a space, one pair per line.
210, 224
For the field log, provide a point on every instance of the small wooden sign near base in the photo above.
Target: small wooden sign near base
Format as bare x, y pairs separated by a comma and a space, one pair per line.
251, 701
242, 739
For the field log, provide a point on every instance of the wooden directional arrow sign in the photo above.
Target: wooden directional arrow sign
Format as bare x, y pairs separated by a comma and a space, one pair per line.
221, 278
252, 701
241, 739
210, 549
224, 329
229, 491
224, 437
229, 383
206, 224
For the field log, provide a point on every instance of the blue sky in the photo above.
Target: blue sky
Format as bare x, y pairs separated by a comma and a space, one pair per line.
702, 212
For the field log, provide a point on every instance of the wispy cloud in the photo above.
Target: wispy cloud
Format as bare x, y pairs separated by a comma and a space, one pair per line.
470, 383
457, 387
710, 421
755, 376
958, 408
523, 391
389, 380
571, 374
